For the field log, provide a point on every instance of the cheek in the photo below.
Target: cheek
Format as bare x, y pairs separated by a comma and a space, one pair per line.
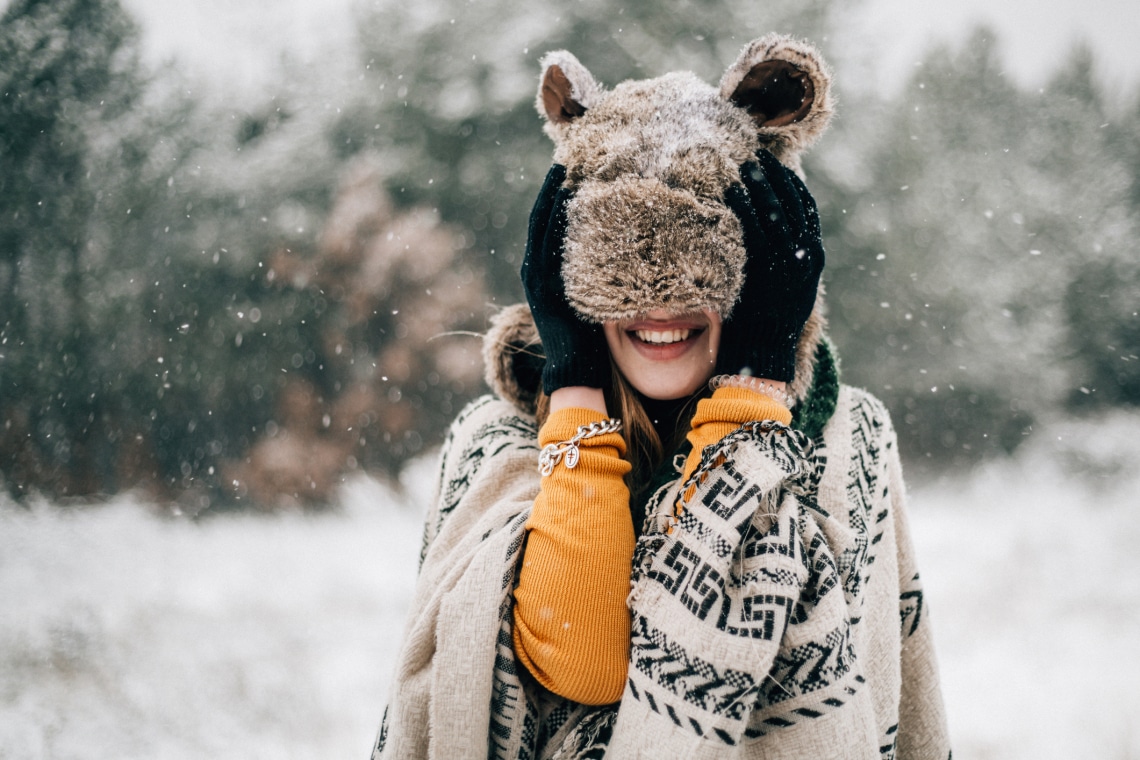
620, 353
714, 335
714, 346
613, 343
609, 329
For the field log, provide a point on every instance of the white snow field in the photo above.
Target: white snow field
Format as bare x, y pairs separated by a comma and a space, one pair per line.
126, 634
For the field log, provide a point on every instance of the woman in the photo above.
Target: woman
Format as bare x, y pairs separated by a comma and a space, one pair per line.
711, 557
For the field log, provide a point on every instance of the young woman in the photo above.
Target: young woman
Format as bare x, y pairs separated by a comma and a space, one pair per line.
672, 533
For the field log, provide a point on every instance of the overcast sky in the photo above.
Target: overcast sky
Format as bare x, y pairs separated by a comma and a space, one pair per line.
241, 40
1035, 34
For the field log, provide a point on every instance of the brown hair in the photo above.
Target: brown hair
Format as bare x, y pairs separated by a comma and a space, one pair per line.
644, 448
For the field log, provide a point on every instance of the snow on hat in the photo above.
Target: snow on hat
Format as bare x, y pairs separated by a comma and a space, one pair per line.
649, 162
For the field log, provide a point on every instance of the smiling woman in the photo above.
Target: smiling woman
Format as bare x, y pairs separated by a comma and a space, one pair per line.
699, 566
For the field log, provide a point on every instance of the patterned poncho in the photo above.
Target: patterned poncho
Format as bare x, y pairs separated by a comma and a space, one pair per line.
781, 617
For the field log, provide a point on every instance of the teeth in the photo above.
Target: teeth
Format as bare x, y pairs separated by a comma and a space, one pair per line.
663, 336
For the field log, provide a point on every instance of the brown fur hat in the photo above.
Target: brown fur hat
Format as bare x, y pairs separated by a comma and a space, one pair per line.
649, 162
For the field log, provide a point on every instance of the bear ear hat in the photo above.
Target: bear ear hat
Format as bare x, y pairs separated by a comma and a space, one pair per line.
785, 86
783, 83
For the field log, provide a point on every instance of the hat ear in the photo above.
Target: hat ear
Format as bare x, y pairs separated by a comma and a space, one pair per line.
566, 90
775, 94
785, 86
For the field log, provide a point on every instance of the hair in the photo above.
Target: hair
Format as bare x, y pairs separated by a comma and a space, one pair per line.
645, 450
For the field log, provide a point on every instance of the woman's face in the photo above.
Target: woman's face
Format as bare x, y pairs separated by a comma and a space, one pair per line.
665, 356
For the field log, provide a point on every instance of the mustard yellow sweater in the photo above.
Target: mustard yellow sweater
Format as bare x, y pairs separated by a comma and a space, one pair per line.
572, 626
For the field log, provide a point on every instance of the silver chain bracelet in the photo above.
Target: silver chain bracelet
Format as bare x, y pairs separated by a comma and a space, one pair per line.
753, 384
552, 453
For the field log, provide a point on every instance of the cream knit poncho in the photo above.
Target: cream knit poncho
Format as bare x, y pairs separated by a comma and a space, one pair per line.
781, 617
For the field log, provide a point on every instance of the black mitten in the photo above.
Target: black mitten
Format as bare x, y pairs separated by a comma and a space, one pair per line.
576, 352
781, 274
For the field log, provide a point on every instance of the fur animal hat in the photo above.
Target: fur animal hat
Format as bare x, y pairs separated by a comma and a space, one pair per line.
649, 162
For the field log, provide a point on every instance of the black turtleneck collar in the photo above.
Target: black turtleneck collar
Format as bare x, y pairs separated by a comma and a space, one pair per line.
663, 415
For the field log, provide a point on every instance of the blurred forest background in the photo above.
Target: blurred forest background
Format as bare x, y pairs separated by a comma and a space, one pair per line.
223, 302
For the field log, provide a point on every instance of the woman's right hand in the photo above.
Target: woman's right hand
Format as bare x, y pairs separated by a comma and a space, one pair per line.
576, 353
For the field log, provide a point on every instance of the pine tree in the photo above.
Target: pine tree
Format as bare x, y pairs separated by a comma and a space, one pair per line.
67, 68
1095, 220
981, 274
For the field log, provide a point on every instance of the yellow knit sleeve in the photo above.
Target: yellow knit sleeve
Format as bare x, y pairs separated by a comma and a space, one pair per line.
571, 623
725, 411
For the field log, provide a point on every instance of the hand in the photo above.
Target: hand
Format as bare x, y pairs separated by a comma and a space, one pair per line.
781, 274
576, 352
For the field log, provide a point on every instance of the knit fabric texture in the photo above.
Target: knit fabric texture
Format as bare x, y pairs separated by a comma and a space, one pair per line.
781, 615
571, 623
817, 405
726, 410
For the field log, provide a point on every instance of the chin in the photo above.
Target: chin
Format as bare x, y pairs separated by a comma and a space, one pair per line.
667, 391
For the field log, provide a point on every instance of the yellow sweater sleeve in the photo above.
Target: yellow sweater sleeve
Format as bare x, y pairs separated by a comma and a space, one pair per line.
571, 623
725, 411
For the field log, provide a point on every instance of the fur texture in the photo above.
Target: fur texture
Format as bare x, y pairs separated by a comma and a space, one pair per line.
510, 347
650, 162
647, 225
648, 229
585, 90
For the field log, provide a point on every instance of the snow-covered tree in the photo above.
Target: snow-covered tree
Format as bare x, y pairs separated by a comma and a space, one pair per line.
973, 249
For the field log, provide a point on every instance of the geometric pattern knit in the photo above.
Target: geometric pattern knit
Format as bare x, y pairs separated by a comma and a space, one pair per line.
780, 615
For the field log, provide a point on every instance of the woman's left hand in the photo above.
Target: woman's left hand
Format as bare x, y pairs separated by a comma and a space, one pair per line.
781, 274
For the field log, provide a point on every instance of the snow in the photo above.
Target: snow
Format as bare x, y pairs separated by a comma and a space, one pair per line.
124, 634
241, 43
1033, 580
128, 634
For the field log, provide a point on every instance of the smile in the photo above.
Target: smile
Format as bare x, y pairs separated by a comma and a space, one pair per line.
665, 355
664, 340
665, 337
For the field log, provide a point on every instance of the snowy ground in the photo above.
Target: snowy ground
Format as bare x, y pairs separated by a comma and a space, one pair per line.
128, 635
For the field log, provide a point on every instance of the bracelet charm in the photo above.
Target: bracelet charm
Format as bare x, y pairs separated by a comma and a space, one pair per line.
568, 451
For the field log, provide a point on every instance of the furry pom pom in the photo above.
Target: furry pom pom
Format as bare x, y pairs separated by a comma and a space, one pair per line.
513, 357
